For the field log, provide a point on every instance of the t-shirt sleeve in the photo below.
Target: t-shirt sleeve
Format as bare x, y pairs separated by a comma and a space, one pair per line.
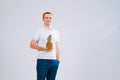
58, 37
36, 35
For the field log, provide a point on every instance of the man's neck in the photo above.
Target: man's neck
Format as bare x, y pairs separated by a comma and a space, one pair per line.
48, 26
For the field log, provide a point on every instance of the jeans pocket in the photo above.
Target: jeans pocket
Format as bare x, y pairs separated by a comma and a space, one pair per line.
58, 61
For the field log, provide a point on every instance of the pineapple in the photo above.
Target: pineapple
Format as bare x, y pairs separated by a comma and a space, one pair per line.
49, 44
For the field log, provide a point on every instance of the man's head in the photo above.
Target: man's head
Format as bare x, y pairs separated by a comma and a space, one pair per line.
47, 18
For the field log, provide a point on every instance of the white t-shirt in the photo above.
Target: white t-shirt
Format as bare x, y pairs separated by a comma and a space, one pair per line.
41, 36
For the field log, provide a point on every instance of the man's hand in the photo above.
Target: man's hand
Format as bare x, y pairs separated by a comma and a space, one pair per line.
47, 50
34, 45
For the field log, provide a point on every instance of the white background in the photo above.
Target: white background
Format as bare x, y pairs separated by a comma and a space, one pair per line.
90, 38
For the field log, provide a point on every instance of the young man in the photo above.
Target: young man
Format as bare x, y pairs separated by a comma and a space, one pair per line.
46, 42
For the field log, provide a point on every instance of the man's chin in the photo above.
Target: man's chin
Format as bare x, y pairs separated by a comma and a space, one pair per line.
48, 23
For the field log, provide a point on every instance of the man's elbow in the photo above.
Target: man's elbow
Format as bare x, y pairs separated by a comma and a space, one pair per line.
31, 45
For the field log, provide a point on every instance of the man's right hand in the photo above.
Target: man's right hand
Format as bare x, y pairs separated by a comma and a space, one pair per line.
47, 50
34, 45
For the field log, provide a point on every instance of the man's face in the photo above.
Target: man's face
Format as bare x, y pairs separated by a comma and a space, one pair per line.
47, 19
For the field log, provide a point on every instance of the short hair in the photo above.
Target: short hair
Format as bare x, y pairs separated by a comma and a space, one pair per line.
46, 13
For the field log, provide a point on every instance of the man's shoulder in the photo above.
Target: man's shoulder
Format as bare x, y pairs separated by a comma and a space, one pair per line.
55, 29
40, 29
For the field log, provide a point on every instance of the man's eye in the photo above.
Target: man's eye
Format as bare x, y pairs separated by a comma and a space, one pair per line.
46, 17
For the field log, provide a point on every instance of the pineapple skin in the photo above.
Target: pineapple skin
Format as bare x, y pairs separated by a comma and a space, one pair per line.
49, 45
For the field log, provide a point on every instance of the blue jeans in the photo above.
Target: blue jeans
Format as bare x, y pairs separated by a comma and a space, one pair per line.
47, 69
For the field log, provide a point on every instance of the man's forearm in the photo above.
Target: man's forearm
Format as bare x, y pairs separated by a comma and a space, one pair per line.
34, 45
57, 52
58, 56
38, 48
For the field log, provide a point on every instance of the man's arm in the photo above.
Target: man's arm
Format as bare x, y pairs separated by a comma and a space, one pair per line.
57, 52
34, 45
